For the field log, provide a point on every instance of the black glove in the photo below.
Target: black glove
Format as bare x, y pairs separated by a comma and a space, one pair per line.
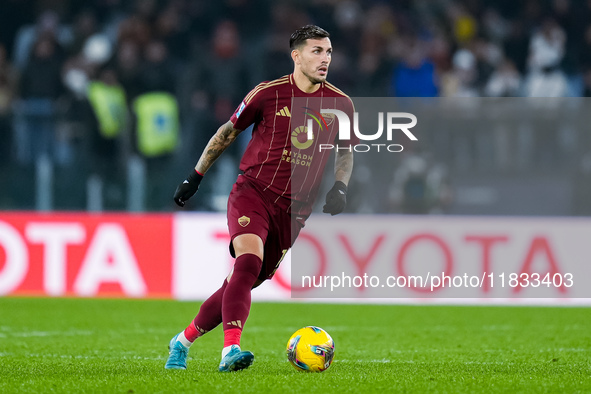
186, 189
336, 199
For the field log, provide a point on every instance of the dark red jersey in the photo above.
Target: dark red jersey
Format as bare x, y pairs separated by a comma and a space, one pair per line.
280, 157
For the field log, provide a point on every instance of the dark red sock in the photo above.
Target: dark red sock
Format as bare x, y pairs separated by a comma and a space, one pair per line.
236, 301
209, 316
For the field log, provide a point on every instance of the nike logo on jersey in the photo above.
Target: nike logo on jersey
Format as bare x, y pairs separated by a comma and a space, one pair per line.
284, 112
186, 181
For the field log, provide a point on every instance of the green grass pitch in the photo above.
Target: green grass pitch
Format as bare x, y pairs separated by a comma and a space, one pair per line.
119, 346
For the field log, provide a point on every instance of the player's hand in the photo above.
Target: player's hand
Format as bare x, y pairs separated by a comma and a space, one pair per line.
188, 188
336, 199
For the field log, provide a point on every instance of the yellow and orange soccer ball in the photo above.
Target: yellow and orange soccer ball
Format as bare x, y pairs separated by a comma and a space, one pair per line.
310, 349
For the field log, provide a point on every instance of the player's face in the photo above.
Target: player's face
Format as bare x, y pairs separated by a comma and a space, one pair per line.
314, 59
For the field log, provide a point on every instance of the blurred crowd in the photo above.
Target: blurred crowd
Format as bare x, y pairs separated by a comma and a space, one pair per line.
78, 80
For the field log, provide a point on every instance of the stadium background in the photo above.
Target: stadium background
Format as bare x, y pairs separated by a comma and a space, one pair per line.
88, 226
208, 55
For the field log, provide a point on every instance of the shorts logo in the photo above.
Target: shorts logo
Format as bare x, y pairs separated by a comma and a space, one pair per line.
244, 221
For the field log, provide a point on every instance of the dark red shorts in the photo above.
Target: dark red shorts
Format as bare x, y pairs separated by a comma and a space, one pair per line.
252, 211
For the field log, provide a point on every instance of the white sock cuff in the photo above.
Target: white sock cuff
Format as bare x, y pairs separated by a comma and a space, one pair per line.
227, 349
182, 339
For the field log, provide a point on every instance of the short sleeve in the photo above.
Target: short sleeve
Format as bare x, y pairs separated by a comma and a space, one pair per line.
248, 112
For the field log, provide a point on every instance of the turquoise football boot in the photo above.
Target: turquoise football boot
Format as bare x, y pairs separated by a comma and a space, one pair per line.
177, 354
236, 360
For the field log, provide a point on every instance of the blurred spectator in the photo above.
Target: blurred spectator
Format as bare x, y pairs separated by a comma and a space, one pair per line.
505, 81
46, 52
374, 68
587, 83
277, 60
516, 46
225, 72
78, 71
464, 26
495, 27
420, 186
157, 122
40, 87
145, 10
348, 17
573, 18
439, 52
585, 61
84, 26
155, 106
158, 70
460, 80
127, 63
414, 76
249, 14
157, 134
208, 55
109, 104
488, 57
8, 81
82, 66
547, 46
48, 25
136, 29
107, 115
545, 77
171, 27
15, 15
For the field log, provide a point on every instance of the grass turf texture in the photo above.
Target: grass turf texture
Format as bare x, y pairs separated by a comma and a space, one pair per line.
119, 346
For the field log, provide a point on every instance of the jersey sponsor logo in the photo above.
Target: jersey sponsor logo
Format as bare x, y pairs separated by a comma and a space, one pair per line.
303, 136
244, 221
240, 109
300, 137
297, 158
284, 112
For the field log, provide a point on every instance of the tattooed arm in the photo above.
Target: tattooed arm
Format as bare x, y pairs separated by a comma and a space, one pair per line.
343, 166
222, 139
225, 135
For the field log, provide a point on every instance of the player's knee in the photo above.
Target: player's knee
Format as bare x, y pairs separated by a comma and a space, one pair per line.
248, 244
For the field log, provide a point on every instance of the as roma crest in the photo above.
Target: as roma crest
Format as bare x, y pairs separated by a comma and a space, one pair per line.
244, 221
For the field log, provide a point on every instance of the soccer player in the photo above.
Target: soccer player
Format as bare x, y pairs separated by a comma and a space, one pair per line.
273, 196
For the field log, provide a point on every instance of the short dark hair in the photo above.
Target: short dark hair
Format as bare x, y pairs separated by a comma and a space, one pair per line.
303, 33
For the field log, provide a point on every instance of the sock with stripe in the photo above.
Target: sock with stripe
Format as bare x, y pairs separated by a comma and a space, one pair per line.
236, 299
